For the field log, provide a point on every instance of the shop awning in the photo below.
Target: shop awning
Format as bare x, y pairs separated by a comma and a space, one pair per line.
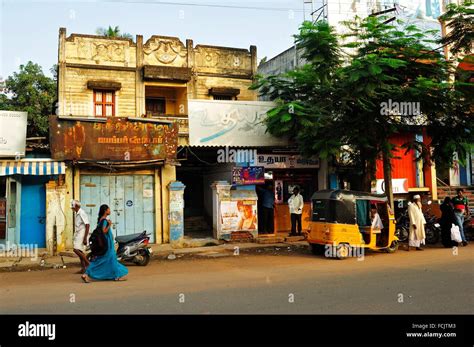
32, 167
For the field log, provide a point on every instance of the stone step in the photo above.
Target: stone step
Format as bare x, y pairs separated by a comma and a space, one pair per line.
294, 238
269, 240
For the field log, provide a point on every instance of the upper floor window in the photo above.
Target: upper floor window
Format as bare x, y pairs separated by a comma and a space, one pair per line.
104, 103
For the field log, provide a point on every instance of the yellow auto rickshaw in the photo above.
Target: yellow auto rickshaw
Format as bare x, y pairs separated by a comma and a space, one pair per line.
343, 222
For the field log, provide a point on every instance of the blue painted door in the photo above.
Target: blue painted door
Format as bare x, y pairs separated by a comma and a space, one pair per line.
33, 212
130, 198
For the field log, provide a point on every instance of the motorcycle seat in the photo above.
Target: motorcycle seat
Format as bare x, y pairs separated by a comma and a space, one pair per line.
128, 238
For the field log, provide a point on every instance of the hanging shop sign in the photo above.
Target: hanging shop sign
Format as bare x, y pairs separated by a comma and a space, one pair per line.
230, 123
114, 139
399, 186
13, 133
286, 161
248, 175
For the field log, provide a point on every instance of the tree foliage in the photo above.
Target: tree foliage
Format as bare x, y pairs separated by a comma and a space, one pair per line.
113, 32
332, 104
460, 27
29, 90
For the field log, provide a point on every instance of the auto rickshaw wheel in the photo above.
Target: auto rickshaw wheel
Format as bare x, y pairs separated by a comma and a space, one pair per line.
393, 247
342, 251
316, 249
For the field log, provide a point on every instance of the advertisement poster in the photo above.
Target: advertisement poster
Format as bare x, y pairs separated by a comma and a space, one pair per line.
248, 175
240, 215
12, 133
278, 192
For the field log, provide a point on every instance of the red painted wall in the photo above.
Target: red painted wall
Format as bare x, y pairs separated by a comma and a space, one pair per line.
404, 167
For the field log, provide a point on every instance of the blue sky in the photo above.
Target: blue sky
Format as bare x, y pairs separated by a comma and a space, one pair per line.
29, 28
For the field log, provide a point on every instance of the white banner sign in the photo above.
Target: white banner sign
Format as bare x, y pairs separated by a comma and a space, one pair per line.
12, 133
286, 161
399, 186
230, 123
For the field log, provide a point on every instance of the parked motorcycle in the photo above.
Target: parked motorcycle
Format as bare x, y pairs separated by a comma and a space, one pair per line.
402, 226
469, 226
134, 248
432, 227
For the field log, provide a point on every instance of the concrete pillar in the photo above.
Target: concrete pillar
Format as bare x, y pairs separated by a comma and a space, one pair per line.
176, 213
220, 192
139, 85
62, 72
168, 175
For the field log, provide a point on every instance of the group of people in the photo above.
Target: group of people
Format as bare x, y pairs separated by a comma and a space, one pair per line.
104, 267
453, 212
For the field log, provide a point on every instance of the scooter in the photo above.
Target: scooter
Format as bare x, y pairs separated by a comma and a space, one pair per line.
134, 248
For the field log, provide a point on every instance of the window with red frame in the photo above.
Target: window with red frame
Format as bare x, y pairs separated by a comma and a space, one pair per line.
104, 103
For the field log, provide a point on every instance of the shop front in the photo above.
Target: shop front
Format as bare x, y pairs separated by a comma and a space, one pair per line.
23, 200
285, 172
125, 163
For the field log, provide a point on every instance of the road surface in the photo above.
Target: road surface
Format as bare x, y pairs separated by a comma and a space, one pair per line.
431, 281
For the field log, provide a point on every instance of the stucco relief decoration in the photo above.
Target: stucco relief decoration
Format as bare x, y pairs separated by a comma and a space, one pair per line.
208, 57
100, 51
165, 51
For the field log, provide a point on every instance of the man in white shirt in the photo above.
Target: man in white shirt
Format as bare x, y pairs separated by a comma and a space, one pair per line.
296, 204
377, 224
81, 233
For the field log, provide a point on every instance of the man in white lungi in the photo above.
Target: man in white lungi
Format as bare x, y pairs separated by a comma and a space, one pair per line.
416, 237
81, 234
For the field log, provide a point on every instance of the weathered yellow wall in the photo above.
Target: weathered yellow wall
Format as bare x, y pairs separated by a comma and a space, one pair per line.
79, 99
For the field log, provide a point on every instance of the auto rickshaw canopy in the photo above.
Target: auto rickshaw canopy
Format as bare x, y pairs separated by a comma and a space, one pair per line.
343, 206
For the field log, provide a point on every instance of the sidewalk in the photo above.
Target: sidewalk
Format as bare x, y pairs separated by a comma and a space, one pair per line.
161, 251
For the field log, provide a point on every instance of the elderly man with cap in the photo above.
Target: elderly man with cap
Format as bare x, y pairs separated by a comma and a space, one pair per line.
81, 233
416, 237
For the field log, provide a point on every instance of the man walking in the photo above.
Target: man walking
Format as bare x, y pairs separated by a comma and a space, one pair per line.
81, 233
416, 236
461, 209
296, 204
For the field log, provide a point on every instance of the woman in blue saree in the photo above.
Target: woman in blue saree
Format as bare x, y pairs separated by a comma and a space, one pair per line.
106, 267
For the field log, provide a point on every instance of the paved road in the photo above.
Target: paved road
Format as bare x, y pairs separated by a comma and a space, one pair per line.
432, 281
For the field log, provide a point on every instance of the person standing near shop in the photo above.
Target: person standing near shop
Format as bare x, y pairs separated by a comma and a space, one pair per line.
81, 233
268, 203
461, 209
296, 204
416, 237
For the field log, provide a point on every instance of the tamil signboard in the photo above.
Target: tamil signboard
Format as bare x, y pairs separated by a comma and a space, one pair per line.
230, 123
399, 186
13, 133
286, 161
114, 139
248, 175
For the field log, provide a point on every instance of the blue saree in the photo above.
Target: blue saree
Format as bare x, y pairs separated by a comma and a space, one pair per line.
106, 267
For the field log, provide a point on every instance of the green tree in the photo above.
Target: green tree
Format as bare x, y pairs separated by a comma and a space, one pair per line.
333, 104
459, 21
29, 90
113, 32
